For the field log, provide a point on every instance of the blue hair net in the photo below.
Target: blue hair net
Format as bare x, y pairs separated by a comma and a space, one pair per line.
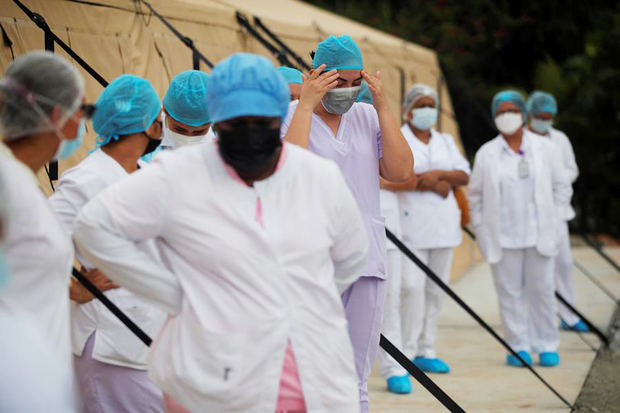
127, 105
186, 98
291, 75
365, 95
246, 84
508, 96
338, 53
541, 102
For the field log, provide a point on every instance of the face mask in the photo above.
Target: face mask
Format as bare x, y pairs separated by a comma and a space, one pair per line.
248, 150
541, 126
153, 143
339, 101
424, 118
183, 140
68, 147
508, 122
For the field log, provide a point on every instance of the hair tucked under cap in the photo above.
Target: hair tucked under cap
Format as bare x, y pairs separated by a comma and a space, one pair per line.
127, 105
246, 84
186, 98
541, 102
338, 53
508, 96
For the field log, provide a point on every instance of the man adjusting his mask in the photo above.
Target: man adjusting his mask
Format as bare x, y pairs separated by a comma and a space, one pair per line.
187, 120
245, 223
365, 141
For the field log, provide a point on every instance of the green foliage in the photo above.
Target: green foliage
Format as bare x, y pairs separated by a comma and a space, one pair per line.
568, 48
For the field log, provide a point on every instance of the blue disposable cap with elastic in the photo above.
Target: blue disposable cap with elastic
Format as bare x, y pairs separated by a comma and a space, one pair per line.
508, 96
129, 104
338, 53
246, 84
541, 102
291, 75
186, 98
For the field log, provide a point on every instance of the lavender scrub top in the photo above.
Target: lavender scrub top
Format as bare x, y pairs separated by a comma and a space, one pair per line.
356, 148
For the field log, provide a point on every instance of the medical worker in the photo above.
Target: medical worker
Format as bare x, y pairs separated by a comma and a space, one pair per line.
542, 108
29, 366
41, 118
110, 361
294, 78
258, 238
186, 118
518, 193
365, 141
431, 226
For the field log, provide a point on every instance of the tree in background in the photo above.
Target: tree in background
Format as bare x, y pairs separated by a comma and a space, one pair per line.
568, 48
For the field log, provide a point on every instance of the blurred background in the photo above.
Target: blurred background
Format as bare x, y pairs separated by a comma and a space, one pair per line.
568, 48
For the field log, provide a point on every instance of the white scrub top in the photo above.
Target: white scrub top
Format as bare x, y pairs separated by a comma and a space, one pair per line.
356, 148
114, 342
427, 219
517, 215
391, 213
237, 290
39, 254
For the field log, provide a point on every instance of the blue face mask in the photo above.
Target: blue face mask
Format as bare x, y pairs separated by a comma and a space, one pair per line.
541, 126
424, 118
68, 147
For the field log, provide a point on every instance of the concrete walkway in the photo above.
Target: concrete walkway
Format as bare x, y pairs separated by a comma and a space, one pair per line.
480, 381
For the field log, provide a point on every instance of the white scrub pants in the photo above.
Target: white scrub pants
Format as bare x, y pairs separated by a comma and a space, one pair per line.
564, 277
524, 283
391, 327
413, 304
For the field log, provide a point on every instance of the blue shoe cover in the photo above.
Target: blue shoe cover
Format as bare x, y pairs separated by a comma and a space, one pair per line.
513, 361
549, 359
580, 326
399, 384
429, 365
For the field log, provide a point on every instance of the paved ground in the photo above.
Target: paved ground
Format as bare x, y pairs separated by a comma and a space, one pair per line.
480, 381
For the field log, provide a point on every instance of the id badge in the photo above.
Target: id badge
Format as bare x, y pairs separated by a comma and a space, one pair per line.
524, 169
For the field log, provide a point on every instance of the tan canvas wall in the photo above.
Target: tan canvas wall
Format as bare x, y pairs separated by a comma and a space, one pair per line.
121, 38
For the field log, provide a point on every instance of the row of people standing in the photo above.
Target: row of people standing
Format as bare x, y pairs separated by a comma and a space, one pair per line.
520, 205
207, 229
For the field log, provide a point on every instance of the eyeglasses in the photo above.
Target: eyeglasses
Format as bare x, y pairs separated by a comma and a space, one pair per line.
88, 110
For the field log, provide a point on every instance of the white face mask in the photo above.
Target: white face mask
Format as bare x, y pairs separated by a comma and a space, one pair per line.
182, 140
541, 126
508, 122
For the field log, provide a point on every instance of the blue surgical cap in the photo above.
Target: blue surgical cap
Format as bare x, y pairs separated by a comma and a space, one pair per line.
245, 84
127, 105
186, 98
541, 102
365, 95
338, 53
291, 75
508, 96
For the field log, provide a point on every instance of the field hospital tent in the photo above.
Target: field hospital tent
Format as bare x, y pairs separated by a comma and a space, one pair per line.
123, 36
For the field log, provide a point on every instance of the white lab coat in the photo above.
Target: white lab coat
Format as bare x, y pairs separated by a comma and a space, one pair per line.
569, 162
39, 254
428, 220
238, 290
552, 194
114, 343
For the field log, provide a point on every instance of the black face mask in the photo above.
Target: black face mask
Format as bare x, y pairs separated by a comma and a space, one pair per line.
249, 150
153, 143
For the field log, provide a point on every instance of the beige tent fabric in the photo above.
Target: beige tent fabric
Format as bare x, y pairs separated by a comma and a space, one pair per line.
119, 36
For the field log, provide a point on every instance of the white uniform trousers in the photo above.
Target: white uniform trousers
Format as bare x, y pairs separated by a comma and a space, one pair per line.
391, 326
421, 301
524, 283
564, 277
